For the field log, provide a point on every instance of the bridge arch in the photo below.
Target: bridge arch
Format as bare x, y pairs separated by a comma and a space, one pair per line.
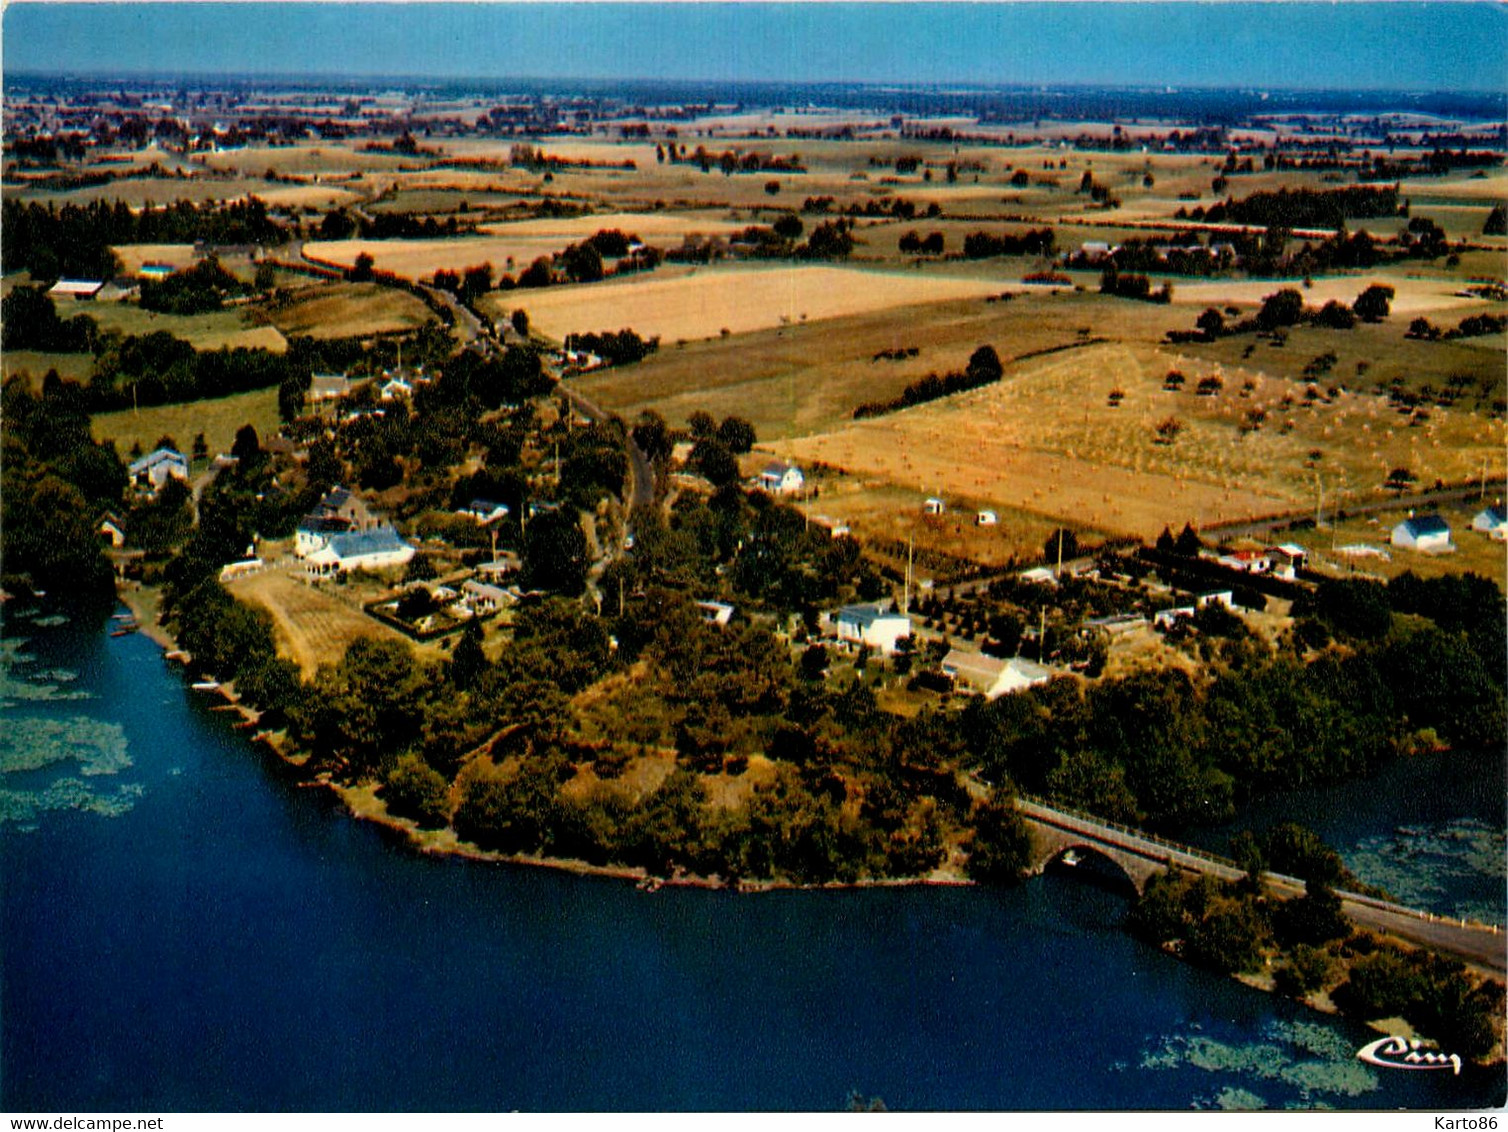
1091, 863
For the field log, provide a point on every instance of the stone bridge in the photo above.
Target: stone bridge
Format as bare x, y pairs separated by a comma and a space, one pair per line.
1139, 855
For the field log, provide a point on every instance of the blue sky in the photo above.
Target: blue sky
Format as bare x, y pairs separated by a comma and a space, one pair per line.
1401, 46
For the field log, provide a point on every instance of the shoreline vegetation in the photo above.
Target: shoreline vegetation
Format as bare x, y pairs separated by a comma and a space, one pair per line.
1315, 957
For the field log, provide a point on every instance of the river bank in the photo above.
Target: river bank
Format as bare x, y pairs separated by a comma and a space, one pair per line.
363, 802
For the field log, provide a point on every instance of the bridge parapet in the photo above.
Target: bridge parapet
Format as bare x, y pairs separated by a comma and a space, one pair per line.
1142, 855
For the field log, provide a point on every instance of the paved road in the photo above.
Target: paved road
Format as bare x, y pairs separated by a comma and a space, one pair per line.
1483, 945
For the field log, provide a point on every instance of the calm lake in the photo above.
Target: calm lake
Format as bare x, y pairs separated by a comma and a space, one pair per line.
186, 929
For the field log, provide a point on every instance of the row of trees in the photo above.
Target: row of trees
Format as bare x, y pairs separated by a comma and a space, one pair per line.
1285, 308
983, 245
623, 347
984, 368
1306, 208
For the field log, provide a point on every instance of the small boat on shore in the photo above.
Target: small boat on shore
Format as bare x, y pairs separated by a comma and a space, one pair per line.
205, 685
125, 630
176, 654
122, 617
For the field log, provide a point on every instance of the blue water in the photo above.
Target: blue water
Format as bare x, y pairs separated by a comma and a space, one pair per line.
1429, 829
185, 928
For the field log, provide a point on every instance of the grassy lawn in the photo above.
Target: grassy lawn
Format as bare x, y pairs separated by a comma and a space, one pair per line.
218, 419
1475, 552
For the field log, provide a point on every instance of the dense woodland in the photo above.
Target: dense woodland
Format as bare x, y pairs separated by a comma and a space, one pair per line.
75, 240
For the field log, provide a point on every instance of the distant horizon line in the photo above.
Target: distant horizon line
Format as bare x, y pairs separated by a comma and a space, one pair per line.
945, 85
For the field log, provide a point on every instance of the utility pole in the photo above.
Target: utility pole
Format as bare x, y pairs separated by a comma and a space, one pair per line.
906, 590
1042, 636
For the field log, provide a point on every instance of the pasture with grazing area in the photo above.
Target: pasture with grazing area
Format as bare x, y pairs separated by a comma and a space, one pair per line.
211, 331
348, 309
218, 418
35, 364
1047, 439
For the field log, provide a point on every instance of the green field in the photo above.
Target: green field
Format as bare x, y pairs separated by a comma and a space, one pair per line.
203, 331
345, 309
35, 364
218, 419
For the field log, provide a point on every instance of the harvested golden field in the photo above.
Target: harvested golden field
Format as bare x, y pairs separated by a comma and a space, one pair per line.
646, 225
1414, 296
884, 515
330, 159
1489, 189
1046, 440
792, 381
139, 191
706, 302
312, 627
306, 196
348, 309
218, 418
420, 259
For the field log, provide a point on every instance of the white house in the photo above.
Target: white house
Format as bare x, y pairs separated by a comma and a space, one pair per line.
157, 467
340, 514
934, 506
75, 288
986, 519
1167, 618
992, 677
500, 567
1492, 521
1247, 561
1038, 576
782, 479
242, 569
715, 612
111, 529
484, 511
359, 550
397, 390
1428, 533
329, 387
1287, 560
482, 597
873, 625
